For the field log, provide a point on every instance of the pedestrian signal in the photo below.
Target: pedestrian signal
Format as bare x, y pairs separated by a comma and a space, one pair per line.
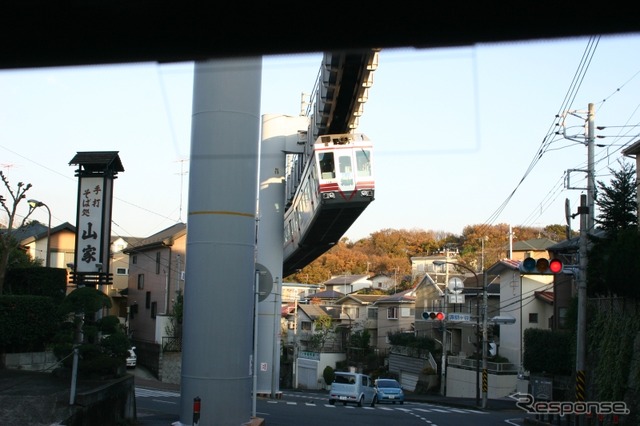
541, 266
438, 316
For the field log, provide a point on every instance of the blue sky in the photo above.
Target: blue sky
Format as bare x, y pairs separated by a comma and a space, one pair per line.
455, 131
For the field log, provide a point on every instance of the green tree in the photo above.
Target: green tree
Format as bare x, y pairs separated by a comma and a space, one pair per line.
617, 201
323, 327
359, 346
613, 259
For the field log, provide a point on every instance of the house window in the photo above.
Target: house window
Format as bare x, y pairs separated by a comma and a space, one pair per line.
372, 313
154, 309
305, 326
392, 313
140, 281
533, 318
562, 317
351, 312
134, 259
121, 271
147, 301
157, 262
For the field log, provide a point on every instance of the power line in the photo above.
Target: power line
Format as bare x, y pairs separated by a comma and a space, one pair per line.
548, 138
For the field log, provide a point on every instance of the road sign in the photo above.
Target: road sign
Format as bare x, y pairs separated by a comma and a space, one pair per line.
455, 316
457, 299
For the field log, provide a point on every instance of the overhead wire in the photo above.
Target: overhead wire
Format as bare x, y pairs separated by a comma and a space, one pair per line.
548, 138
630, 136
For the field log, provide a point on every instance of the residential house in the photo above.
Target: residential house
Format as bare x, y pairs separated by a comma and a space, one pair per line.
311, 346
461, 305
33, 239
535, 248
119, 269
156, 266
528, 299
325, 297
383, 281
357, 313
462, 311
36, 237
394, 313
348, 283
421, 265
296, 292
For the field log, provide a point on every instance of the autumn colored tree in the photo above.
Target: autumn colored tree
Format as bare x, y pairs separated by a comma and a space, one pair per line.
389, 251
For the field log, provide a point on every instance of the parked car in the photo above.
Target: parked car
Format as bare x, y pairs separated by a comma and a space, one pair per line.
352, 388
389, 390
132, 358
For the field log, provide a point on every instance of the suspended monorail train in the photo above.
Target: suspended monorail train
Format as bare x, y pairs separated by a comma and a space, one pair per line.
336, 186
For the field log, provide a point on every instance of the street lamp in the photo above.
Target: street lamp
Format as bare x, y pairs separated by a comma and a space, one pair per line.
484, 326
33, 204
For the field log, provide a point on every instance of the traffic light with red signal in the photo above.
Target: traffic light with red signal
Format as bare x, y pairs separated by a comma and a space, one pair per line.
541, 266
437, 316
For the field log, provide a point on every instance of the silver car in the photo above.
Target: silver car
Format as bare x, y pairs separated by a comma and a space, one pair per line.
352, 388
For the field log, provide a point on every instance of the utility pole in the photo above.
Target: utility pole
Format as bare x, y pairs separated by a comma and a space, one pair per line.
443, 372
587, 220
591, 187
485, 379
582, 305
586, 210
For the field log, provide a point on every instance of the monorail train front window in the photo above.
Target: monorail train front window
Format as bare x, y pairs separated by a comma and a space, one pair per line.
345, 167
363, 162
327, 165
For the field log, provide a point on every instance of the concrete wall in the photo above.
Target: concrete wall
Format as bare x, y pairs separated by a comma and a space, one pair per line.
30, 361
461, 383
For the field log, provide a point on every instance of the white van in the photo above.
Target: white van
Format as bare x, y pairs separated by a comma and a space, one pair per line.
352, 387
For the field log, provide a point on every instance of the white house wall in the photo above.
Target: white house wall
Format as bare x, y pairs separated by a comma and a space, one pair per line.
517, 299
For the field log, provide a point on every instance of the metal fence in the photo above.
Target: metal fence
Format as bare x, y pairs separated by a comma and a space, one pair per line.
172, 344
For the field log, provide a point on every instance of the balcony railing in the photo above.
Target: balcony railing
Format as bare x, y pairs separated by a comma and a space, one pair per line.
470, 363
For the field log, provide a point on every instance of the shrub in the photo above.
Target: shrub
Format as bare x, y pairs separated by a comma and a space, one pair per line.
328, 375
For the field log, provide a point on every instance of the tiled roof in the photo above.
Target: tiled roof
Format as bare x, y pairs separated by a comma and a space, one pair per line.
327, 294
172, 232
37, 230
633, 149
535, 244
545, 296
365, 299
345, 279
312, 311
